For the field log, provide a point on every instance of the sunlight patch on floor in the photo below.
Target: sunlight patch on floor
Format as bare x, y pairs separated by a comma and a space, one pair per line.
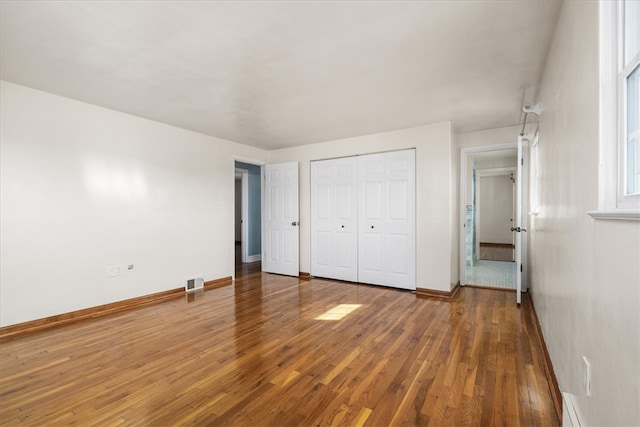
338, 312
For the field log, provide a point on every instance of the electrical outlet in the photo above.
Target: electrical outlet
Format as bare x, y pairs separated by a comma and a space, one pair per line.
130, 267
113, 271
586, 375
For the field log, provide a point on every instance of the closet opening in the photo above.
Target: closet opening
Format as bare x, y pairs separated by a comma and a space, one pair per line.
363, 219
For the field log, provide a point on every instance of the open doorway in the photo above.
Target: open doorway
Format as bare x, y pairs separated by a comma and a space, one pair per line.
489, 212
248, 220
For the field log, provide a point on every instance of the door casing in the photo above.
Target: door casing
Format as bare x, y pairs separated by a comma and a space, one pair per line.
464, 153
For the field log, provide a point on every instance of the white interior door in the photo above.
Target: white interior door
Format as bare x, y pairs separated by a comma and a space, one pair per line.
386, 211
518, 226
281, 226
334, 204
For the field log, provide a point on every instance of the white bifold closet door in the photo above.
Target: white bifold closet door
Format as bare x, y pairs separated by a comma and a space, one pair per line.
334, 221
363, 219
386, 219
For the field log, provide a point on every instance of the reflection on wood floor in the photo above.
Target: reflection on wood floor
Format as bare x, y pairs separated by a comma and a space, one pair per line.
244, 269
254, 353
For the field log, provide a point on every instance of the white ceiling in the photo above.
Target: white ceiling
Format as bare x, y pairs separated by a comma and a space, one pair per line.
276, 74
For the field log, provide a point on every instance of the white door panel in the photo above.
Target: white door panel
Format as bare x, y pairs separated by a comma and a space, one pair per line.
518, 223
281, 222
333, 219
387, 219
371, 264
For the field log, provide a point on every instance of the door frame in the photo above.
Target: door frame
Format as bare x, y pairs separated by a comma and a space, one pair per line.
245, 207
464, 154
244, 217
504, 171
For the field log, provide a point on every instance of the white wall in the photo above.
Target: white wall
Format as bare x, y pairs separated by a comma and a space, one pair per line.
482, 138
434, 188
499, 162
496, 209
585, 273
83, 187
485, 163
489, 136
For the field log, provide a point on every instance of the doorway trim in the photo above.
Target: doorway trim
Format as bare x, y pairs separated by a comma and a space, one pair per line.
245, 208
244, 213
464, 153
504, 171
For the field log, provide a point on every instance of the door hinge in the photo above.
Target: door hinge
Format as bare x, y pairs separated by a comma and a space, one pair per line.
520, 268
522, 161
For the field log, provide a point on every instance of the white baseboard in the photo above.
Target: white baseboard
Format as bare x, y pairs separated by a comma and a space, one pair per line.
569, 413
254, 258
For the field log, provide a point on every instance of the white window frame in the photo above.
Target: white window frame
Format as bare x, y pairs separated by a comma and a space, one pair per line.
613, 203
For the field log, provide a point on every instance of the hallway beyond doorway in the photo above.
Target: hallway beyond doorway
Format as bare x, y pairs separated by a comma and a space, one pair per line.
244, 269
495, 274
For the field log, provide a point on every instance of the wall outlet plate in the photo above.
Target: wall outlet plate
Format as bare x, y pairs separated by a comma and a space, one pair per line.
113, 271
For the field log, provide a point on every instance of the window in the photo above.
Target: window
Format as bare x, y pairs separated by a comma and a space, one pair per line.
619, 190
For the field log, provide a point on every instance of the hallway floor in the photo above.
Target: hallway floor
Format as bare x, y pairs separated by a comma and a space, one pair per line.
496, 274
244, 269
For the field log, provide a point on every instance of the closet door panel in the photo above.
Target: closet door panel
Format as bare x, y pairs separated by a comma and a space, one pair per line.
371, 265
387, 219
346, 231
323, 249
322, 219
334, 208
401, 219
371, 224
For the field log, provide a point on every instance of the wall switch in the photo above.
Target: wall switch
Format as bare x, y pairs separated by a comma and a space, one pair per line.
586, 375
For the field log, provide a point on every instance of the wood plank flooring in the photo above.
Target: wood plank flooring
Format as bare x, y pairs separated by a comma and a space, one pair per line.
253, 354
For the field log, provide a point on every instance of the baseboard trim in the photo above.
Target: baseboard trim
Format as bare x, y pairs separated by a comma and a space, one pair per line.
496, 245
218, 283
556, 395
304, 276
19, 329
254, 258
424, 292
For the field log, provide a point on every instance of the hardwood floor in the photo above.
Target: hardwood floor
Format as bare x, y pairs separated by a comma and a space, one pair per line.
254, 354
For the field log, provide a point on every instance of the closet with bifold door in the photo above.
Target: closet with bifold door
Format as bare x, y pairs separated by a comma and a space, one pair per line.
363, 219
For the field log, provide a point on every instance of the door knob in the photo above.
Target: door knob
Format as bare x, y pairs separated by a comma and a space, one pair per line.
518, 229
294, 223
342, 226
372, 226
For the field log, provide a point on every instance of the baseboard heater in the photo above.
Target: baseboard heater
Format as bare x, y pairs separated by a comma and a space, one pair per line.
194, 284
